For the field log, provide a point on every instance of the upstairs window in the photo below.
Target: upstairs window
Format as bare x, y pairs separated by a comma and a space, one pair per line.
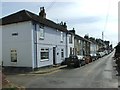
70, 38
15, 34
62, 37
41, 33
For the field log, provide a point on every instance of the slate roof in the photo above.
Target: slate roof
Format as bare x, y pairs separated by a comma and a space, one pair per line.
25, 15
81, 38
71, 32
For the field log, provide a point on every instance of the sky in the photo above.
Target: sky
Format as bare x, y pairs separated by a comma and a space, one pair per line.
91, 17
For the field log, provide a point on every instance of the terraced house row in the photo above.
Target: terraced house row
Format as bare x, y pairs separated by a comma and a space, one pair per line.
33, 41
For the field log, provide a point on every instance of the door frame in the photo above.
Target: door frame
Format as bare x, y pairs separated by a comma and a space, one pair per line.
54, 55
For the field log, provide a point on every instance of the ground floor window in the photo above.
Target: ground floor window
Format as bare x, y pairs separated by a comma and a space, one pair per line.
62, 53
44, 54
13, 55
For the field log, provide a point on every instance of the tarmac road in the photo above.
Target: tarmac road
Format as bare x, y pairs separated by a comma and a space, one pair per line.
98, 74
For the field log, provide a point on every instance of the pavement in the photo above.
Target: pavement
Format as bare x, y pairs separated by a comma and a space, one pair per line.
42, 70
6, 83
48, 69
115, 73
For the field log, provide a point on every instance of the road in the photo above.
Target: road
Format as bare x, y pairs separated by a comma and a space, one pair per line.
98, 74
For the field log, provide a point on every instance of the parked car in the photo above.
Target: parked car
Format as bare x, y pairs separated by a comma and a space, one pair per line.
73, 61
94, 56
101, 54
98, 55
106, 52
82, 59
64, 62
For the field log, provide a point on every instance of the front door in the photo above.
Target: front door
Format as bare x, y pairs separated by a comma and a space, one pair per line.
54, 55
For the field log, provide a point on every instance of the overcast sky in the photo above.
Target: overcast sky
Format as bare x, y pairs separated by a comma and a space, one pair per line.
87, 16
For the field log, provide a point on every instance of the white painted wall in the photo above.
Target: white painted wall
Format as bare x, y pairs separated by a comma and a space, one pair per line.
22, 43
52, 39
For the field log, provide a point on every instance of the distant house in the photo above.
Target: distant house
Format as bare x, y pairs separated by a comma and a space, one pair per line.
79, 45
82, 45
70, 42
87, 43
30, 40
100, 45
93, 47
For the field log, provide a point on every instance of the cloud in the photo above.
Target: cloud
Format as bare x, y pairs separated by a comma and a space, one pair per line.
84, 20
86, 16
38, 0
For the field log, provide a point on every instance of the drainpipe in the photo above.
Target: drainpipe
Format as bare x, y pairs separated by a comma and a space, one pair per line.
66, 45
36, 44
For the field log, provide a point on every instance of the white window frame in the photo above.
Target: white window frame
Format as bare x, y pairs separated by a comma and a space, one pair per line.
44, 50
62, 37
42, 33
70, 39
13, 53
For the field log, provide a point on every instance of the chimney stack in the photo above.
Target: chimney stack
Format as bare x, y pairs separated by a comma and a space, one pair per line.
63, 24
42, 12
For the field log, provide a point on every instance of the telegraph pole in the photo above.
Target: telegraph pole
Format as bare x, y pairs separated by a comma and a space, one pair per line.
102, 35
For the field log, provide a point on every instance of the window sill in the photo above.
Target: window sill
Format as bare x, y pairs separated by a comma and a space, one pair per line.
13, 63
43, 60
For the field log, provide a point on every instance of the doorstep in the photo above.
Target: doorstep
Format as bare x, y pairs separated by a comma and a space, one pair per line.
48, 69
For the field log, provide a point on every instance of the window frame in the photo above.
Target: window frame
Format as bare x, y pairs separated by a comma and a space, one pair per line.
13, 55
41, 37
43, 50
61, 37
70, 39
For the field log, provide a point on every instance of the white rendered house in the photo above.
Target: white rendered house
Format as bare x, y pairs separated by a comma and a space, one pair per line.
30, 40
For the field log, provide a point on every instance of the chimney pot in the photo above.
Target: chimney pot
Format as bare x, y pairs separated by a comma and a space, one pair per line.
42, 12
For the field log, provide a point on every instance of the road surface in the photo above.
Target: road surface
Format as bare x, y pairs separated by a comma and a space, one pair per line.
98, 74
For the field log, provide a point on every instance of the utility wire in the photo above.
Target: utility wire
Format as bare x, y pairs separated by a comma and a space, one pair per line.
107, 15
51, 5
106, 19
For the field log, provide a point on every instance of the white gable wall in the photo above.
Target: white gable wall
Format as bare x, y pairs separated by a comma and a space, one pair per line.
22, 43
